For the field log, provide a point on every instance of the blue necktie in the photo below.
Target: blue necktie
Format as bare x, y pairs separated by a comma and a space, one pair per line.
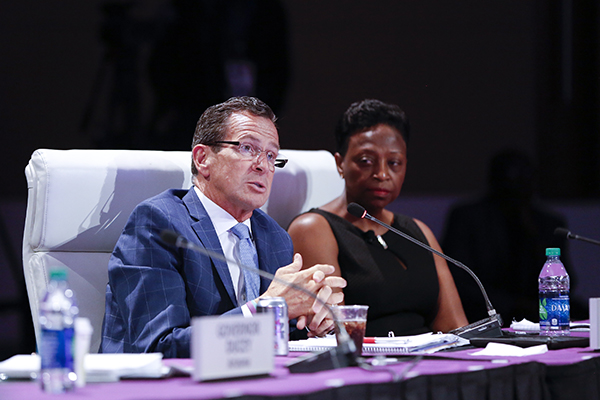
249, 258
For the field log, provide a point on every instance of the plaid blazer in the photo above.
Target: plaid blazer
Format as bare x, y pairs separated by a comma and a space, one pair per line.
155, 289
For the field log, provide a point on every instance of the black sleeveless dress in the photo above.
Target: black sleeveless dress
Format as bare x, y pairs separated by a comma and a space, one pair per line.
399, 284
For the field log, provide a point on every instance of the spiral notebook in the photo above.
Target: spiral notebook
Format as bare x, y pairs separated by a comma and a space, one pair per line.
424, 343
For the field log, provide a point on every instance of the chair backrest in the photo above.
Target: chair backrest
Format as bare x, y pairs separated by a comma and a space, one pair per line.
79, 201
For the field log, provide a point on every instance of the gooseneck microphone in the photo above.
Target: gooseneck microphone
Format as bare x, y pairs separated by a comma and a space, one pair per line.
337, 357
487, 327
569, 235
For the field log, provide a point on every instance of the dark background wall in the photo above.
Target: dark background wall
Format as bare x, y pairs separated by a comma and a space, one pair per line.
464, 75
473, 77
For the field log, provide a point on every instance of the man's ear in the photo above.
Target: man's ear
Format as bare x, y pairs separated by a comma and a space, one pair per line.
338, 163
201, 159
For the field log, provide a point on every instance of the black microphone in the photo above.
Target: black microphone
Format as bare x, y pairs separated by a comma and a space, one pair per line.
487, 327
338, 357
569, 235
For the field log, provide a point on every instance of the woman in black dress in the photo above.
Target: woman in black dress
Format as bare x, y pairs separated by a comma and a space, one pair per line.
408, 290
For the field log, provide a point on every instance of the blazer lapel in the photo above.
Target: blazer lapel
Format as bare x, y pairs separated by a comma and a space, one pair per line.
208, 238
263, 246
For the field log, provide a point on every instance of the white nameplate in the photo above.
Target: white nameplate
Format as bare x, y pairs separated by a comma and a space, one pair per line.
230, 347
595, 323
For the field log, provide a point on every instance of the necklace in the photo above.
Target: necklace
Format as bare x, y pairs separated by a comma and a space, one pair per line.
382, 242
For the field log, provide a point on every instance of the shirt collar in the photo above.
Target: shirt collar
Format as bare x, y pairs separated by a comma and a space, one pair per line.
221, 219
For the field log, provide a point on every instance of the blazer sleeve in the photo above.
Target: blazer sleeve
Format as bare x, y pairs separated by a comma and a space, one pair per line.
147, 287
154, 289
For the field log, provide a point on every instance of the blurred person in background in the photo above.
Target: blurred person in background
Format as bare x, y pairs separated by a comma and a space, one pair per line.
502, 237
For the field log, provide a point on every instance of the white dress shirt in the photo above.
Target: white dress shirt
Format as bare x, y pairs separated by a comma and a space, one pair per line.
222, 222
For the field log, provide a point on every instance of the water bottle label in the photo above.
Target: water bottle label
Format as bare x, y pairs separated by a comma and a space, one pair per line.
53, 349
554, 312
57, 348
69, 348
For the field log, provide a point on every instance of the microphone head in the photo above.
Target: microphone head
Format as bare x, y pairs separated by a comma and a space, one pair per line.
169, 237
562, 232
357, 210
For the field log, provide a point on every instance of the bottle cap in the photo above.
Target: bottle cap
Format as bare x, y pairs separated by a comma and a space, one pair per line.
58, 274
553, 251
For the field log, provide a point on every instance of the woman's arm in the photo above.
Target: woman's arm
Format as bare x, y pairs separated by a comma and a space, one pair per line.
314, 240
450, 313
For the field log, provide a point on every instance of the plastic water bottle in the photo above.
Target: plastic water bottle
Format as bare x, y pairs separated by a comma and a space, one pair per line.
58, 310
554, 296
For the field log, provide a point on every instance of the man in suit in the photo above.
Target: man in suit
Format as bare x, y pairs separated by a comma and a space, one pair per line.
154, 289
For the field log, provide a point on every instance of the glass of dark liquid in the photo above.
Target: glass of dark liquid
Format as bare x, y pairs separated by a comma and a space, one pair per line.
354, 319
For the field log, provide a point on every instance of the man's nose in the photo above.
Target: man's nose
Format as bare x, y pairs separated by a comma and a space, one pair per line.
260, 162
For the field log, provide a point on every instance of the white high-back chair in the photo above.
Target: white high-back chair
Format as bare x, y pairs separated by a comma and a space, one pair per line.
79, 200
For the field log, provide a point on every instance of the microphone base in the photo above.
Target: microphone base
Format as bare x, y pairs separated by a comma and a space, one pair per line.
490, 327
330, 359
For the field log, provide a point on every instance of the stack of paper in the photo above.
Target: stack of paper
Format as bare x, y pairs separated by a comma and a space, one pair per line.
98, 367
112, 367
424, 343
503, 350
21, 366
527, 326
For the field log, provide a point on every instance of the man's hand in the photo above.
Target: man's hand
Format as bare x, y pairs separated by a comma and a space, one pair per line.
319, 320
302, 306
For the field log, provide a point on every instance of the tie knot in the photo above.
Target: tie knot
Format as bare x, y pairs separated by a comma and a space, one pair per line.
241, 231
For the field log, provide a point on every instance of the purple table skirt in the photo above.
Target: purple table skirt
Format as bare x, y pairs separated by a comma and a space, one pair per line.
444, 373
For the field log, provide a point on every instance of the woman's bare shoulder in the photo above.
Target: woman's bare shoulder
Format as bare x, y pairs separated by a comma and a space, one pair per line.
308, 222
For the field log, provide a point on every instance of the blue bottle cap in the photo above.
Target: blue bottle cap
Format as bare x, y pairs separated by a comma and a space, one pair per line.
553, 251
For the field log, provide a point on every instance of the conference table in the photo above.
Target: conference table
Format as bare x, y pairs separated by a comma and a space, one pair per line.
570, 373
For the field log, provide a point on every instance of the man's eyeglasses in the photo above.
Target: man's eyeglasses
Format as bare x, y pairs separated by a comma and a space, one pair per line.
250, 151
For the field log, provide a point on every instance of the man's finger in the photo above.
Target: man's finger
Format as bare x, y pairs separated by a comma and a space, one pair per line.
325, 268
336, 298
297, 263
301, 322
322, 328
335, 282
318, 276
295, 266
319, 316
322, 296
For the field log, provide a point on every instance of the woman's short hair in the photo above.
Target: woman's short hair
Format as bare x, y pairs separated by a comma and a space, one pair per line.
366, 114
